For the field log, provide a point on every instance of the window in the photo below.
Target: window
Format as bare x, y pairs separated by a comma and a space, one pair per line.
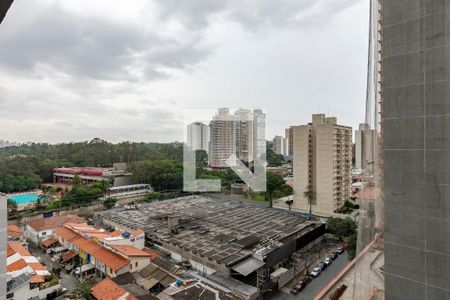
136, 264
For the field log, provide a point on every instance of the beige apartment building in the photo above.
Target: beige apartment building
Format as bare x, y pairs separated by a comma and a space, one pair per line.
322, 165
289, 136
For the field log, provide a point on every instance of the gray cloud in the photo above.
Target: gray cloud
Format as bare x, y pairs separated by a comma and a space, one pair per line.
68, 74
91, 48
255, 15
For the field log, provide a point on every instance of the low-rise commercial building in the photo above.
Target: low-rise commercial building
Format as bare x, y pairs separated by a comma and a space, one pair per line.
117, 176
232, 242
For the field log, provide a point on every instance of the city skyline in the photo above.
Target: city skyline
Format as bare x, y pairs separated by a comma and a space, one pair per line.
83, 90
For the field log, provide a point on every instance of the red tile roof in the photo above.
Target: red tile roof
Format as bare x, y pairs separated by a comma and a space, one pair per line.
130, 251
54, 222
37, 266
14, 230
109, 290
10, 251
69, 255
37, 279
87, 246
66, 233
17, 265
153, 254
49, 242
110, 259
137, 232
18, 248
116, 233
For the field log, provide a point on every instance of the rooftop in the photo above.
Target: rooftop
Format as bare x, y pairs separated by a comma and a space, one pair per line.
130, 251
224, 232
54, 222
109, 290
14, 231
20, 259
90, 246
110, 259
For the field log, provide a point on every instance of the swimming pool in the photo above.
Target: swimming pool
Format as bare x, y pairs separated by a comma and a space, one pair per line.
24, 198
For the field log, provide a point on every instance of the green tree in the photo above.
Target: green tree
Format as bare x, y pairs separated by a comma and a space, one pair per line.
289, 203
77, 181
201, 158
352, 243
309, 196
109, 202
274, 182
160, 174
273, 160
102, 185
83, 290
40, 202
154, 196
12, 207
341, 227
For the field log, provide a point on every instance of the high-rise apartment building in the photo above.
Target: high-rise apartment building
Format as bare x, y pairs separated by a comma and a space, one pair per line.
222, 144
365, 147
322, 165
198, 136
279, 144
416, 121
244, 134
289, 135
259, 135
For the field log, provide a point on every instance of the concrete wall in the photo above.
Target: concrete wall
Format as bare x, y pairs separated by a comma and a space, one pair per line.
301, 166
416, 149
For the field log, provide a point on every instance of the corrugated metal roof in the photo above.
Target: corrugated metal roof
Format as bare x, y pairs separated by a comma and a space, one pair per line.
248, 266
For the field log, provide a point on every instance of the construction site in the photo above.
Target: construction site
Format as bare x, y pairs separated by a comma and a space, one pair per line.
227, 239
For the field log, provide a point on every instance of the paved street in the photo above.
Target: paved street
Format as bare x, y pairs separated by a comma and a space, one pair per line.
318, 283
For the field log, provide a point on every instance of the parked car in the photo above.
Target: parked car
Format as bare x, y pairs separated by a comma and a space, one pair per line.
340, 250
323, 266
316, 272
328, 261
301, 284
333, 255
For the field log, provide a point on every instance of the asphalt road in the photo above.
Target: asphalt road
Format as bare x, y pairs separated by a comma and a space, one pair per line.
314, 287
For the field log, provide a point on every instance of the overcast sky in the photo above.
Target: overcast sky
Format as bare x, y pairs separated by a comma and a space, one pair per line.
72, 70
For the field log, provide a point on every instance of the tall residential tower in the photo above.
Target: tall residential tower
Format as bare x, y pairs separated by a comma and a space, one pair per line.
322, 165
198, 136
222, 142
